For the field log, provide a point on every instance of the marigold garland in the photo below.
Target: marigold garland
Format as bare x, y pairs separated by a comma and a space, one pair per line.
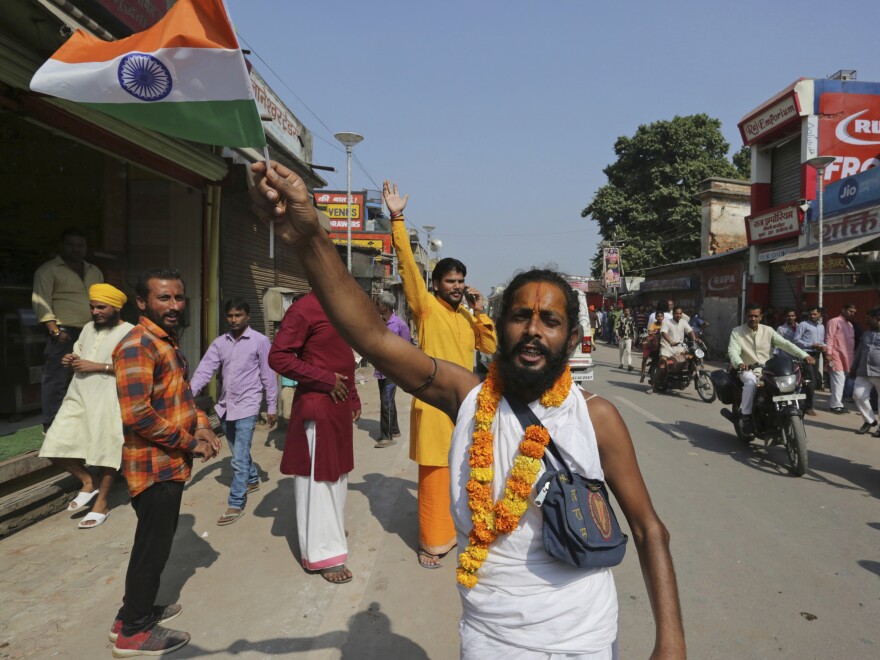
502, 517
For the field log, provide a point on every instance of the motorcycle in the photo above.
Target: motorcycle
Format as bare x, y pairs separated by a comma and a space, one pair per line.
777, 412
680, 373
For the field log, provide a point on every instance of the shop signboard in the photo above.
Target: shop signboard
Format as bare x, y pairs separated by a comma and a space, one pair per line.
381, 242
770, 255
769, 118
138, 15
852, 225
849, 130
831, 263
776, 223
335, 204
723, 281
675, 284
611, 258
284, 128
851, 193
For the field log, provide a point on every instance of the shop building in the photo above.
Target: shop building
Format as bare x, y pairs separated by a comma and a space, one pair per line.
837, 117
142, 199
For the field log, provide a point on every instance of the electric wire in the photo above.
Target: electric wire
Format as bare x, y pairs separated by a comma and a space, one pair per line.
332, 144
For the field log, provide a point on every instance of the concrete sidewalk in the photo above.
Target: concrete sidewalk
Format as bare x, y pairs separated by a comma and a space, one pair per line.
243, 591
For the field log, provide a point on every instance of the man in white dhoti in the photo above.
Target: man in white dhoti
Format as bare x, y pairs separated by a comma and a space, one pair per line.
87, 431
518, 602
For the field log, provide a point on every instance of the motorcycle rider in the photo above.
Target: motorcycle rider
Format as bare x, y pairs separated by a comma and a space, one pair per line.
752, 343
651, 343
672, 334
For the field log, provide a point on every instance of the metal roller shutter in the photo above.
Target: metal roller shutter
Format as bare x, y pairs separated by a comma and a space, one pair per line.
245, 267
785, 179
783, 292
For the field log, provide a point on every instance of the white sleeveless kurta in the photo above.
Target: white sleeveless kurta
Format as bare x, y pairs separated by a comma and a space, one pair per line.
524, 597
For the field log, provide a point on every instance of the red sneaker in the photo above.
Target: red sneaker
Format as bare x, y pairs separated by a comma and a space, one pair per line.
168, 612
155, 641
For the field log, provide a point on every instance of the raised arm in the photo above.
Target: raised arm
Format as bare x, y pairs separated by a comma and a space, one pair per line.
414, 288
279, 194
651, 537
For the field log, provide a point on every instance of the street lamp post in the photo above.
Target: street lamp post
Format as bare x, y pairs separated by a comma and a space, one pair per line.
819, 163
428, 229
348, 140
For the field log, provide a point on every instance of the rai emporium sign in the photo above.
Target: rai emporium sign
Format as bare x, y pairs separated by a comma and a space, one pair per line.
779, 222
769, 118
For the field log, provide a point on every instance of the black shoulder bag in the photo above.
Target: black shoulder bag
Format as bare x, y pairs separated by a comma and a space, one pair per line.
580, 527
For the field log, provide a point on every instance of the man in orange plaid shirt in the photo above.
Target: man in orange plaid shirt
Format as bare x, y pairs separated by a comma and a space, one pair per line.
163, 430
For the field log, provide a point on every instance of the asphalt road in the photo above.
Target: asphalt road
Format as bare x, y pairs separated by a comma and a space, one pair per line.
769, 565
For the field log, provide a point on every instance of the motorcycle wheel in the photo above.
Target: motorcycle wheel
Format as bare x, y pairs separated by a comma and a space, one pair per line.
796, 445
705, 386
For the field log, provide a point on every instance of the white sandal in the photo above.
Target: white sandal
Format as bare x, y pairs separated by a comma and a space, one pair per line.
91, 516
81, 500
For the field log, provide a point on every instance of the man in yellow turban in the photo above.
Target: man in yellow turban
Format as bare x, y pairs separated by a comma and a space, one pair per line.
88, 427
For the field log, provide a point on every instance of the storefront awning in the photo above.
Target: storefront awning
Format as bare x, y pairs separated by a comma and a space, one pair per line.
806, 260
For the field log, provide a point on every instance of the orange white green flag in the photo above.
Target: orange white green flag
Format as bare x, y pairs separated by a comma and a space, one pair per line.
185, 76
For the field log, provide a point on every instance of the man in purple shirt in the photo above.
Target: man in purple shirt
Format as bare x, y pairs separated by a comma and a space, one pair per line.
242, 356
388, 428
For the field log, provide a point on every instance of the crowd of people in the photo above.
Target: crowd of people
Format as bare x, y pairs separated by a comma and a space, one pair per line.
119, 398
849, 354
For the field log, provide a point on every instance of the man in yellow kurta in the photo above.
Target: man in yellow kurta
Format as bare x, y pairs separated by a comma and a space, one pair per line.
446, 330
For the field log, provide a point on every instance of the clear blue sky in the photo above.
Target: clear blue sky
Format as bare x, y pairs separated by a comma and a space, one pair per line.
498, 117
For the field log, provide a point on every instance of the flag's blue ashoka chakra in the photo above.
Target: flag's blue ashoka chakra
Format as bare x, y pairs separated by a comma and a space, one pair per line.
144, 77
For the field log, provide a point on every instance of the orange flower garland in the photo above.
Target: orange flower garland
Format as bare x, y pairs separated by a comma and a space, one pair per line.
501, 517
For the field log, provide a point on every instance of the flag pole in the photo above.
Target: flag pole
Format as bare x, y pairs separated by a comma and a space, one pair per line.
271, 220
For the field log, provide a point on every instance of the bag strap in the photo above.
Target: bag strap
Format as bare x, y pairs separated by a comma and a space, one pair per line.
527, 417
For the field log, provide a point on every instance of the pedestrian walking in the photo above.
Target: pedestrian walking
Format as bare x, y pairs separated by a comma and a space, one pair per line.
388, 426
866, 370
841, 351
625, 331
242, 355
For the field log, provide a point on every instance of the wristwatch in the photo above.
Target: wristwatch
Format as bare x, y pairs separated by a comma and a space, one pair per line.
55, 332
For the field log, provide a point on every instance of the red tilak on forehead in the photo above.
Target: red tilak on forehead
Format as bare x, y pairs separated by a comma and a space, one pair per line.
536, 306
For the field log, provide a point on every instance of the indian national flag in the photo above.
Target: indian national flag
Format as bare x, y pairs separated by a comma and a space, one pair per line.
185, 76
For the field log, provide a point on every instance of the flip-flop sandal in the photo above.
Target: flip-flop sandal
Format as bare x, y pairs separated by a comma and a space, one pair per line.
81, 500
428, 555
229, 518
253, 488
95, 518
324, 572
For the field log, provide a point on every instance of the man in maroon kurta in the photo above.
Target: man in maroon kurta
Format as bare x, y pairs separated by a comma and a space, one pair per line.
318, 451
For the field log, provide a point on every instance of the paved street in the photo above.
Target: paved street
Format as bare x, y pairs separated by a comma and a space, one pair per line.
769, 565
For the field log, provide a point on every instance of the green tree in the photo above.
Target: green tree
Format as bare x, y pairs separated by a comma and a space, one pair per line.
742, 161
649, 201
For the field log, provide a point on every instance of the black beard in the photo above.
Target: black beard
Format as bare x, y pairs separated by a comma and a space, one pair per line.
530, 383
109, 322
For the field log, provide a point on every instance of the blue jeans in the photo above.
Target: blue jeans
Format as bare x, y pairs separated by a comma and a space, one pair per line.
240, 433
387, 409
